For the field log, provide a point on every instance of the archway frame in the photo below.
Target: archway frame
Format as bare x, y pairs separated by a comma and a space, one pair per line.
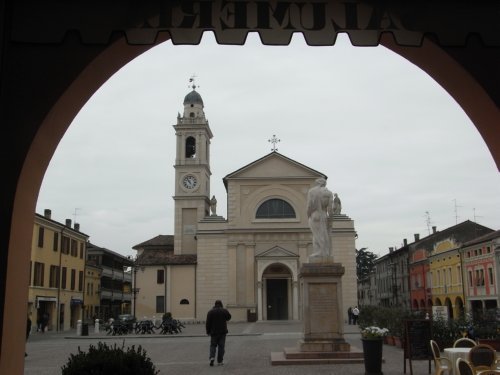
290, 263
35, 134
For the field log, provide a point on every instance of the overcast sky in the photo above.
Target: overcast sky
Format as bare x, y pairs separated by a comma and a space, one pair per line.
392, 142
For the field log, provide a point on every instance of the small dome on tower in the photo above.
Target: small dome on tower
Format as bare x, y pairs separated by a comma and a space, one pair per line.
193, 98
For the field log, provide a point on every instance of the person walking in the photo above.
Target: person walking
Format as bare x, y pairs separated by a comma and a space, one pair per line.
45, 321
349, 314
355, 313
216, 327
28, 331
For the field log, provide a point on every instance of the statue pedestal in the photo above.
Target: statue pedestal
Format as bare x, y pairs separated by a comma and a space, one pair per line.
322, 307
323, 324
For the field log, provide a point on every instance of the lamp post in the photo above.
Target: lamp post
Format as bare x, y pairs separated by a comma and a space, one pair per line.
135, 290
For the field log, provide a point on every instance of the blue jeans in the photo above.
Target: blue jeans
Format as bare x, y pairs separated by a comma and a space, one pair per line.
217, 342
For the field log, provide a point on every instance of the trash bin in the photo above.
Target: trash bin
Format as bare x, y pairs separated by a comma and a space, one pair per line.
85, 329
251, 315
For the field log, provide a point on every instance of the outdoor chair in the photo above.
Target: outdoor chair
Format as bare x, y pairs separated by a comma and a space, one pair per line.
488, 372
441, 364
464, 342
482, 357
464, 367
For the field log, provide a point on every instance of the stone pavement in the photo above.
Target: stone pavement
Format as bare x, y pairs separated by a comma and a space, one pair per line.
248, 351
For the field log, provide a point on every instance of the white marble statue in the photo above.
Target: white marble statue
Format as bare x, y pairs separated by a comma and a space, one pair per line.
319, 208
213, 206
337, 205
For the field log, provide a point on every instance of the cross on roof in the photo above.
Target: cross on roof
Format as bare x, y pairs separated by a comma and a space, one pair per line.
274, 141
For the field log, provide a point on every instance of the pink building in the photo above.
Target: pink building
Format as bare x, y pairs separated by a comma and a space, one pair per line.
481, 272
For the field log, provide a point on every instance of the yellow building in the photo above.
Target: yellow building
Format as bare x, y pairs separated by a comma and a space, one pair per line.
57, 276
92, 291
446, 274
445, 264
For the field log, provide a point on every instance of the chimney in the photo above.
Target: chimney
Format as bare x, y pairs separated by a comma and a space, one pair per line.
417, 237
433, 230
68, 223
391, 249
47, 213
405, 242
77, 227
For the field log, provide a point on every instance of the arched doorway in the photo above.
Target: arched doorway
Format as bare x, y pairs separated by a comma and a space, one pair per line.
449, 306
62, 89
277, 296
459, 306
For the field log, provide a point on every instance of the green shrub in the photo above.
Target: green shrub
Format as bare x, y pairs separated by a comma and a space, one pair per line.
104, 359
368, 316
393, 318
446, 331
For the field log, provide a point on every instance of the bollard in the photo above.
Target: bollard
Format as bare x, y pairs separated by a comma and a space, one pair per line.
78, 327
96, 326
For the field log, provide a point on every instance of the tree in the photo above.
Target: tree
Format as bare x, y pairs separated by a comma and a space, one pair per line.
364, 262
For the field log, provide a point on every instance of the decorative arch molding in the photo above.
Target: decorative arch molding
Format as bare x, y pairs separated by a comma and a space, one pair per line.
276, 191
278, 256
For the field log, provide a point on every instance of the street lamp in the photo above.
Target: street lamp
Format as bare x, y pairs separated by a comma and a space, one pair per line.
135, 290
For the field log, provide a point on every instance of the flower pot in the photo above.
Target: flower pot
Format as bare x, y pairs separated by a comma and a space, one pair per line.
372, 351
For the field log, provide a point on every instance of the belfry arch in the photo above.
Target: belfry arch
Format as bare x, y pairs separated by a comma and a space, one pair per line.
48, 74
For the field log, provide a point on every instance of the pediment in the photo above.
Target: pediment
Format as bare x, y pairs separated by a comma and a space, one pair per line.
277, 252
274, 165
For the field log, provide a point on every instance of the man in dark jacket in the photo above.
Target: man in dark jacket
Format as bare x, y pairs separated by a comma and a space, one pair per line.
216, 326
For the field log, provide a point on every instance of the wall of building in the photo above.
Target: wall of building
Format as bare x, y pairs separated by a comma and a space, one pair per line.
47, 292
183, 291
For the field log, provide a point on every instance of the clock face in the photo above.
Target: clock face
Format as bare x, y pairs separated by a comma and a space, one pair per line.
189, 182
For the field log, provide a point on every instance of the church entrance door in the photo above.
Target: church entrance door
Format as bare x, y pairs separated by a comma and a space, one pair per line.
277, 299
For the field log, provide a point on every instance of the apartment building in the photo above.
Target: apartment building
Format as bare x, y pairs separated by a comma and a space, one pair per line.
57, 273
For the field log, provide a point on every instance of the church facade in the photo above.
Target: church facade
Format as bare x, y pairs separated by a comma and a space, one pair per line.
251, 260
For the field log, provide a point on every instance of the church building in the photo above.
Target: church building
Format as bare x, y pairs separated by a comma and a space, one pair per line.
250, 260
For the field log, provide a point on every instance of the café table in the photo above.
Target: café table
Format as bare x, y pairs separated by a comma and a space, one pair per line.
453, 354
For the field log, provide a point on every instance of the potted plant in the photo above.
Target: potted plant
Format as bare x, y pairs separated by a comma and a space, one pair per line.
372, 338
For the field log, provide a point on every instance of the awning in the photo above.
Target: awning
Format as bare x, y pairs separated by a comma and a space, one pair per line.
39, 299
46, 299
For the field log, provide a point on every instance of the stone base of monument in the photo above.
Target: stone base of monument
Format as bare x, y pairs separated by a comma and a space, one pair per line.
323, 341
293, 356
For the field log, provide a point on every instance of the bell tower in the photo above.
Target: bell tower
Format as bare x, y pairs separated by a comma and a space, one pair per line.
192, 172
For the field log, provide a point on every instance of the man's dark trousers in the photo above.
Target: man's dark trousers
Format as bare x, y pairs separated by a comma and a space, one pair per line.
217, 342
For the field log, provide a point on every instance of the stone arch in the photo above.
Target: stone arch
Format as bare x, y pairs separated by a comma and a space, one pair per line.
277, 291
39, 131
284, 193
459, 306
449, 306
